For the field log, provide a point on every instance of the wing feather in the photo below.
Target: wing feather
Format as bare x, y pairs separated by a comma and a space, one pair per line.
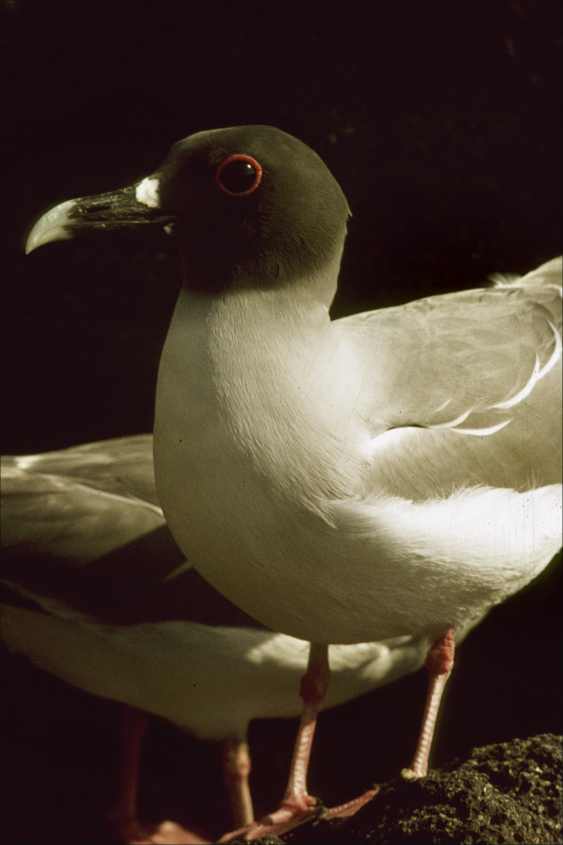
473, 380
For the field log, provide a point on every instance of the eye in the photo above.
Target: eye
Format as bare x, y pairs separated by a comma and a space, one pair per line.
239, 175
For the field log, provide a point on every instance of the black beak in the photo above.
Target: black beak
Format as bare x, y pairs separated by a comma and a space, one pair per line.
126, 208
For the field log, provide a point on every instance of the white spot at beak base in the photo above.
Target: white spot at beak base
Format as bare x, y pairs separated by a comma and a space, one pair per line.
146, 192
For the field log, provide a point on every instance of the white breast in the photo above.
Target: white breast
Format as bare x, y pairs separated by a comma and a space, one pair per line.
260, 463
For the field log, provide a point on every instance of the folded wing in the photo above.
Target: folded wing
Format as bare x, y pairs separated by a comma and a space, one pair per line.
464, 389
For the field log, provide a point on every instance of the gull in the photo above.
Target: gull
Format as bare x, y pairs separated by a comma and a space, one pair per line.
392, 473
84, 553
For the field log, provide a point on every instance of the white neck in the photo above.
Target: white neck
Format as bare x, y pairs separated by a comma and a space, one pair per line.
241, 376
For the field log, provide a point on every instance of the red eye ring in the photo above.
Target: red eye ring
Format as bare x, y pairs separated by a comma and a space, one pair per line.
244, 159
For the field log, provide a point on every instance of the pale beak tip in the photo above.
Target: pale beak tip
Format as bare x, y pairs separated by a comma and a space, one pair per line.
51, 226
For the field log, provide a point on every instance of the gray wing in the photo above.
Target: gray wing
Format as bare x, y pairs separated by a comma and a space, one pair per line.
81, 530
464, 388
122, 466
81, 503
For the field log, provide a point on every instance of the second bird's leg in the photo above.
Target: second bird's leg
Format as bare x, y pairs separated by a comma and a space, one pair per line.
124, 818
124, 815
236, 769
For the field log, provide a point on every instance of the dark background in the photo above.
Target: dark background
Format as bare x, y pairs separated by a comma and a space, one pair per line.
441, 121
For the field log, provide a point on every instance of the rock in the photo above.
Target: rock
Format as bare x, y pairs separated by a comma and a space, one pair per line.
504, 793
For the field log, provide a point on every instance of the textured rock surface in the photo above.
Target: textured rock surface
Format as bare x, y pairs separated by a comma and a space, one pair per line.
504, 793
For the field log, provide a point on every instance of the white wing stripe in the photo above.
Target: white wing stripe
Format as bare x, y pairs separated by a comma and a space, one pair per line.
555, 355
537, 374
522, 393
454, 422
483, 432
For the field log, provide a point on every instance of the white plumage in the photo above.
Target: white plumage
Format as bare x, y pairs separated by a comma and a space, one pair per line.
69, 521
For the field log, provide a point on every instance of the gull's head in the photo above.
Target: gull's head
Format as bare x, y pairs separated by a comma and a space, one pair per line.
249, 205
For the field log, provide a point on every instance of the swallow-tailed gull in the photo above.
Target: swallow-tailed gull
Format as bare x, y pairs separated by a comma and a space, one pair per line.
392, 473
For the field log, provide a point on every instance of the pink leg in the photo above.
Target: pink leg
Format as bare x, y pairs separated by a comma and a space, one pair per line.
124, 818
236, 769
439, 662
297, 805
